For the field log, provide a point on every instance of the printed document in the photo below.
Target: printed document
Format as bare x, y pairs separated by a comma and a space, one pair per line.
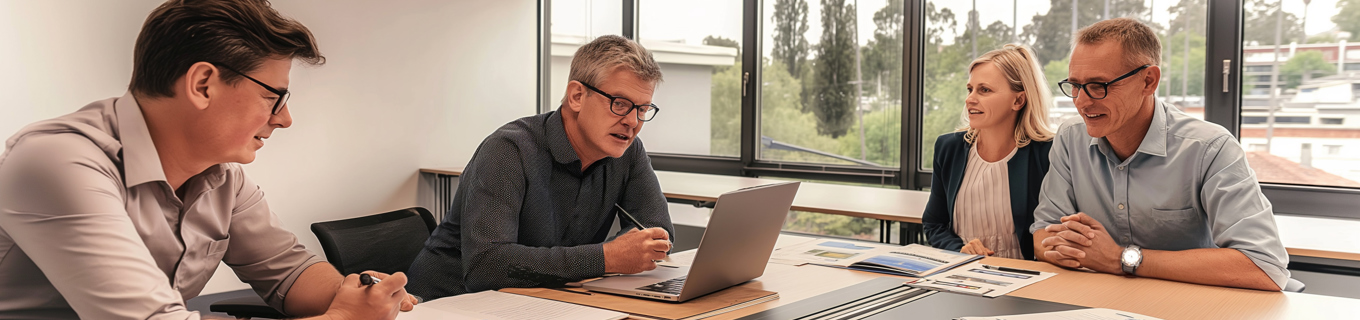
981, 280
495, 305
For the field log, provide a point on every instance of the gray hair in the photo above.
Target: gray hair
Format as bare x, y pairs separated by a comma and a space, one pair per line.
595, 60
1140, 44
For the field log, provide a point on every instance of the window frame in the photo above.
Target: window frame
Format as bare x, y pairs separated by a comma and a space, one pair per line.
1223, 107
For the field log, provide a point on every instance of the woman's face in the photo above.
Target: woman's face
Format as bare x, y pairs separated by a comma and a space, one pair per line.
991, 103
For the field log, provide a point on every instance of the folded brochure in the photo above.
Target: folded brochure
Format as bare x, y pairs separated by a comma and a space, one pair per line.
981, 280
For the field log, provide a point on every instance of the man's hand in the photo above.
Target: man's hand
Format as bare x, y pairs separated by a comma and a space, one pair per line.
382, 300
1050, 247
975, 247
1097, 250
635, 251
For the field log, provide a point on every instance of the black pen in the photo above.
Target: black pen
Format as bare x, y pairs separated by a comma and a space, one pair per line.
630, 217
368, 280
998, 268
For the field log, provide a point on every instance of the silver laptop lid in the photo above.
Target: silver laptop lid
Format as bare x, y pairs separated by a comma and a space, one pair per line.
740, 237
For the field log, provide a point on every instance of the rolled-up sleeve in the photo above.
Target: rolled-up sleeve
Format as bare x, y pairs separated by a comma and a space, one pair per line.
1239, 215
61, 203
262, 253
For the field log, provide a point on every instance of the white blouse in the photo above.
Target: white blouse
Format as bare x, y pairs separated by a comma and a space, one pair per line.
982, 209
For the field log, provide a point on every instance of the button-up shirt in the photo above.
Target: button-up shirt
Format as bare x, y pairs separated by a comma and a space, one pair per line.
1188, 186
525, 214
90, 228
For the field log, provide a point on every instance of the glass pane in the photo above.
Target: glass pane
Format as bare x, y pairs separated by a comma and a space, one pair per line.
697, 44
1300, 118
955, 35
834, 225
831, 88
575, 23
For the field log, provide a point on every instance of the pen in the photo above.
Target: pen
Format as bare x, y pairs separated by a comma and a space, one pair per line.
630, 217
368, 280
1011, 270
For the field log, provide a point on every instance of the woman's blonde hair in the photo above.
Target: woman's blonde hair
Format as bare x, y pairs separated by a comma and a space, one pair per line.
1024, 74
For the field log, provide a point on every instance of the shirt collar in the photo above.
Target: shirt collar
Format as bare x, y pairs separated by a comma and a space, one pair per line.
141, 162
1154, 142
558, 143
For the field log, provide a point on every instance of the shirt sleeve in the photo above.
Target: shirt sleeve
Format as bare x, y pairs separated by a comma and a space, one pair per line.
643, 197
1056, 198
262, 253
936, 219
490, 228
1239, 215
61, 201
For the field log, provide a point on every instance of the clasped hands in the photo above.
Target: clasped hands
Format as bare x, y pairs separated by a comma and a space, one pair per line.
1081, 241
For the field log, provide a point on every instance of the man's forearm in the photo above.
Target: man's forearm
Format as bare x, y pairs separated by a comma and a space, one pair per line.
1217, 267
312, 293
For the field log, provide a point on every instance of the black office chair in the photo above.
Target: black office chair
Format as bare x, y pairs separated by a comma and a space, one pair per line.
385, 242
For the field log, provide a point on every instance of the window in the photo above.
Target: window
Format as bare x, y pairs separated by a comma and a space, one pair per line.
697, 45
902, 100
956, 32
575, 23
1314, 33
831, 83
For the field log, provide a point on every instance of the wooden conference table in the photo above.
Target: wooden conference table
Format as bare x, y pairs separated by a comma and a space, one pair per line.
1152, 297
1327, 238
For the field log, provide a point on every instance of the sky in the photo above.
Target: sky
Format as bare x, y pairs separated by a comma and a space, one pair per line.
689, 21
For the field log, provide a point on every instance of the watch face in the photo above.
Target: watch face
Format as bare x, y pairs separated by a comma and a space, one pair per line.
1130, 256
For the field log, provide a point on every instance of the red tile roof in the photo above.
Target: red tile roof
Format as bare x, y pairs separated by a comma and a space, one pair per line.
1271, 168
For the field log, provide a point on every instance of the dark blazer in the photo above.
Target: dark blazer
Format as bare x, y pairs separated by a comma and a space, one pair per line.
1026, 174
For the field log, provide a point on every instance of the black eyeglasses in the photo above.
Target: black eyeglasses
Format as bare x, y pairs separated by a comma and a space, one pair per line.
622, 106
283, 94
1095, 90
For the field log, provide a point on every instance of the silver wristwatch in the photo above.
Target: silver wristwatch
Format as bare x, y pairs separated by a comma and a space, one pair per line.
1131, 259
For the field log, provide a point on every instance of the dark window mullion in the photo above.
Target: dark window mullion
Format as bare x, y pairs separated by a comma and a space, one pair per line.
913, 28
750, 68
1223, 41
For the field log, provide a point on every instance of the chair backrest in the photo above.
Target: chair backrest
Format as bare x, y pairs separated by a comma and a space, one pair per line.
385, 242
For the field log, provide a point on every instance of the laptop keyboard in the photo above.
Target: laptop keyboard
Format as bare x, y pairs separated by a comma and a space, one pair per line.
671, 286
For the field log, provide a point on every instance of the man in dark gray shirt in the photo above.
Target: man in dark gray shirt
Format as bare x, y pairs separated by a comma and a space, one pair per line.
536, 202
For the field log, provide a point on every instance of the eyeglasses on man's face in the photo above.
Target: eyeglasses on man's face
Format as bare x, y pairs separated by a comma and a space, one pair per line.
1095, 90
283, 93
622, 106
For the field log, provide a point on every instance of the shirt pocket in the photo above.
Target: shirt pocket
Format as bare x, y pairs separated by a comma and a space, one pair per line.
218, 248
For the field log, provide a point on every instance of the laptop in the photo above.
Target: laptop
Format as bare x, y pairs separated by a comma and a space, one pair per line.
734, 249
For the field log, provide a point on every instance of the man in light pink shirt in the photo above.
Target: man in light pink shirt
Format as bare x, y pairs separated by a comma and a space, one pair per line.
124, 208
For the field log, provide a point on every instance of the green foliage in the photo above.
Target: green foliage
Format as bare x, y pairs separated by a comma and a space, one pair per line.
1050, 34
723, 42
832, 225
790, 23
1347, 16
725, 108
782, 117
882, 56
1305, 65
1173, 65
832, 98
1260, 22
1056, 71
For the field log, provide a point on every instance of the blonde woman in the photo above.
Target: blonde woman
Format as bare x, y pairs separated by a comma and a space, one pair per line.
988, 174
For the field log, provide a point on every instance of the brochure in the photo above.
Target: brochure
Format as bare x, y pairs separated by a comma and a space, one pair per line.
981, 280
912, 260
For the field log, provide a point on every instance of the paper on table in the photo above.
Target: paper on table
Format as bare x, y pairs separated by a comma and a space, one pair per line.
495, 305
975, 279
825, 251
1079, 314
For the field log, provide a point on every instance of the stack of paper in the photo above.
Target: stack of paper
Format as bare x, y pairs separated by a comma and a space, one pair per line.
981, 280
494, 305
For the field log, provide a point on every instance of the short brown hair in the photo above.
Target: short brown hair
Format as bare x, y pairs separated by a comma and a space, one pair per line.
238, 33
1137, 39
593, 61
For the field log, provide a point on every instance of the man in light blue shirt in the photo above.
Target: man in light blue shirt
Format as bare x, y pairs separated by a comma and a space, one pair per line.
1140, 188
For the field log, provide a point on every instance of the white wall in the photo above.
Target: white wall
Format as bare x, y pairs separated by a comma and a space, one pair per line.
407, 84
